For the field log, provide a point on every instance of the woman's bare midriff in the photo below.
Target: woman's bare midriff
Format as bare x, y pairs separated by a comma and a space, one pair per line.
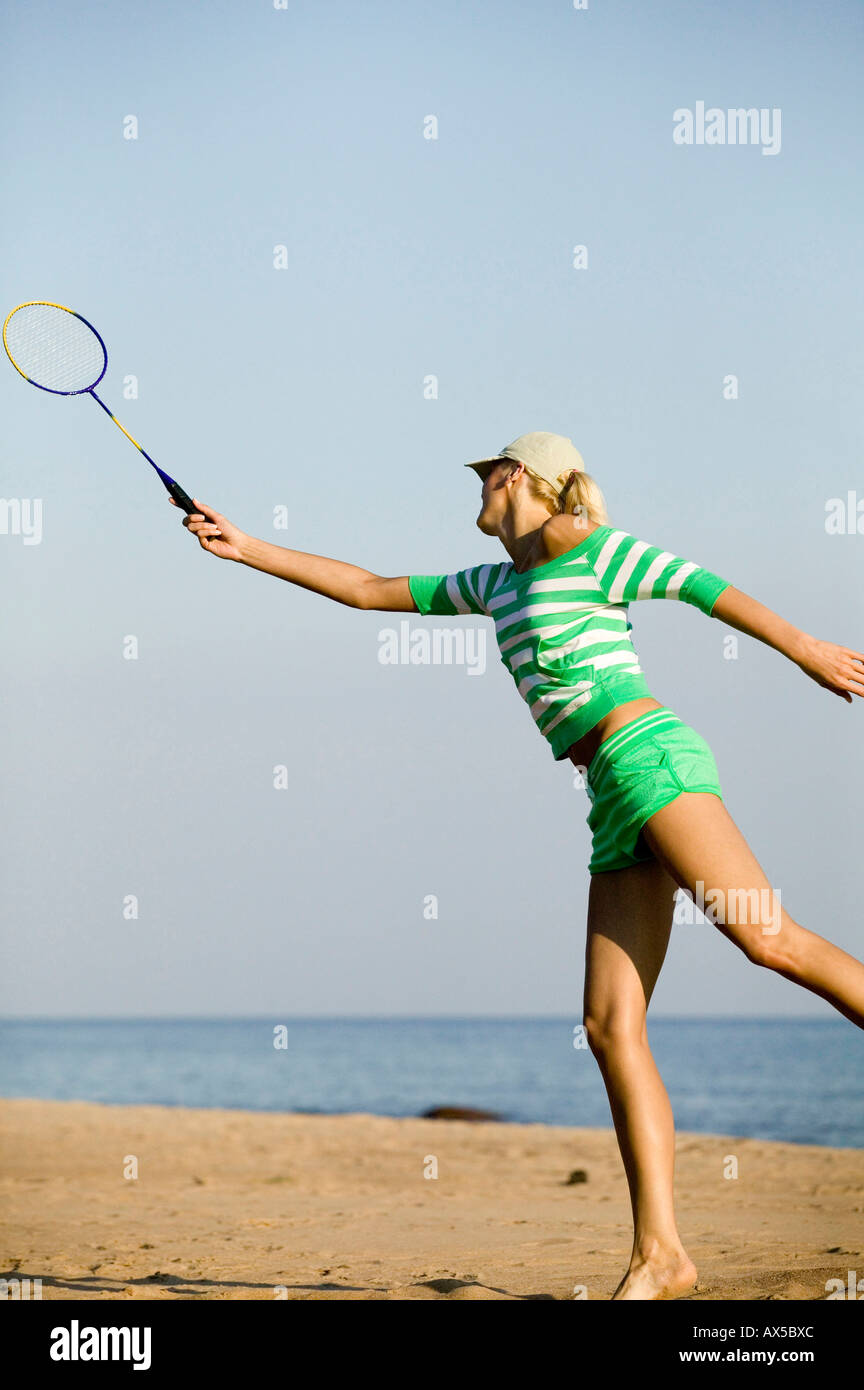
582, 751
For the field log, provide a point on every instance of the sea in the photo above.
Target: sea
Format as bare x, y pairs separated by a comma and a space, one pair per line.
801, 1080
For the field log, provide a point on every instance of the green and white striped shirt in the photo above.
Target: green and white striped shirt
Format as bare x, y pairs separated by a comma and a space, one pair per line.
562, 628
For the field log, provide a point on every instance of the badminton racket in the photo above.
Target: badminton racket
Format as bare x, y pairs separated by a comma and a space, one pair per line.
59, 351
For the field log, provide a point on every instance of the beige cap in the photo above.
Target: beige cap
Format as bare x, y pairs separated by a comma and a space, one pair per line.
550, 456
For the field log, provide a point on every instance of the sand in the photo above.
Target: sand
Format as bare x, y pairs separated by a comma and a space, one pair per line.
231, 1204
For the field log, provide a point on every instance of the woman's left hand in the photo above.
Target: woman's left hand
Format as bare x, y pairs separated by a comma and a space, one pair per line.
839, 669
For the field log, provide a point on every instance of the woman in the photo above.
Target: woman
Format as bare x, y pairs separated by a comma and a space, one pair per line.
657, 814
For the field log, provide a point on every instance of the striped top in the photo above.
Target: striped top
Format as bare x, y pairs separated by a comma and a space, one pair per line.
562, 628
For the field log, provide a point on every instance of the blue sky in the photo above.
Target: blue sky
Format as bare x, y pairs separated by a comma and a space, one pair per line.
303, 388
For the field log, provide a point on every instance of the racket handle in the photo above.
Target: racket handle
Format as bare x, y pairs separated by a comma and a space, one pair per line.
182, 498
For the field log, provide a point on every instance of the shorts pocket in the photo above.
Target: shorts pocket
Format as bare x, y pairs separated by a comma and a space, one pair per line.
647, 754
690, 762
669, 765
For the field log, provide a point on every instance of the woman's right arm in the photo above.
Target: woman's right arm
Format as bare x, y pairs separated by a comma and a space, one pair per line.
348, 584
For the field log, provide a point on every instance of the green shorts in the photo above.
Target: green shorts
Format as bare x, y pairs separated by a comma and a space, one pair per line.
635, 772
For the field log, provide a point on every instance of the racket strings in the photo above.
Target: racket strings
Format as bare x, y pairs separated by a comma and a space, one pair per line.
54, 348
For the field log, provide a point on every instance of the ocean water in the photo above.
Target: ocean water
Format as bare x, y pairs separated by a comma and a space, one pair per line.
800, 1081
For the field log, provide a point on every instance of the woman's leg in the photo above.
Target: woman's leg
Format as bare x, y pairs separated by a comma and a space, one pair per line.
701, 847
629, 921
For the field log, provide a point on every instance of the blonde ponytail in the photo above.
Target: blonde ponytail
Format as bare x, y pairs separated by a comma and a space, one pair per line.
580, 496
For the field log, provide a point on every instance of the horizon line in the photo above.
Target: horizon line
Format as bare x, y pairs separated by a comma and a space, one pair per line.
398, 1018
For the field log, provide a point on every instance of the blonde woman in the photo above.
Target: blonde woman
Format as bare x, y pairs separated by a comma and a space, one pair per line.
657, 814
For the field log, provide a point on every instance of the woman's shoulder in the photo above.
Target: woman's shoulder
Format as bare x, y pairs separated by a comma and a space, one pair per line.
564, 531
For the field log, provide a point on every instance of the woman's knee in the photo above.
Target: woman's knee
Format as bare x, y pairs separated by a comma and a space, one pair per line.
614, 1031
774, 946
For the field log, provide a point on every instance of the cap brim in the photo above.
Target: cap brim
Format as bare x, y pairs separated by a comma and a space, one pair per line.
485, 463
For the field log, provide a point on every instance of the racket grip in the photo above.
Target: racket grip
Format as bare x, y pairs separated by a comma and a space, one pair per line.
181, 497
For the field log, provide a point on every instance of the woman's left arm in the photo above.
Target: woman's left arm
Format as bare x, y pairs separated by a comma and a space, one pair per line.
839, 669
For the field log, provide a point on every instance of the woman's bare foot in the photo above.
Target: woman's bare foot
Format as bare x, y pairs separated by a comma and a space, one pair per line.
663, 1274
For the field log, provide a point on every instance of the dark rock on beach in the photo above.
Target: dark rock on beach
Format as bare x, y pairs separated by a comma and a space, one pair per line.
457, 1112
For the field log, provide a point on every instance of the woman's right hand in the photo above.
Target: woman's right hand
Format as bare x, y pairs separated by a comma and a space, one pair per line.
215, 533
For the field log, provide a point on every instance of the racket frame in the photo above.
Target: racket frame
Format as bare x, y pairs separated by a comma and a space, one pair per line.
170, 484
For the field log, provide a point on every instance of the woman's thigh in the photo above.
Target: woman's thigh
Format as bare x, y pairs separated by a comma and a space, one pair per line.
629, 921
702, 849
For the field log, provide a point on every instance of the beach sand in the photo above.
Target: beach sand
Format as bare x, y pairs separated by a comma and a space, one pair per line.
230, 1204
